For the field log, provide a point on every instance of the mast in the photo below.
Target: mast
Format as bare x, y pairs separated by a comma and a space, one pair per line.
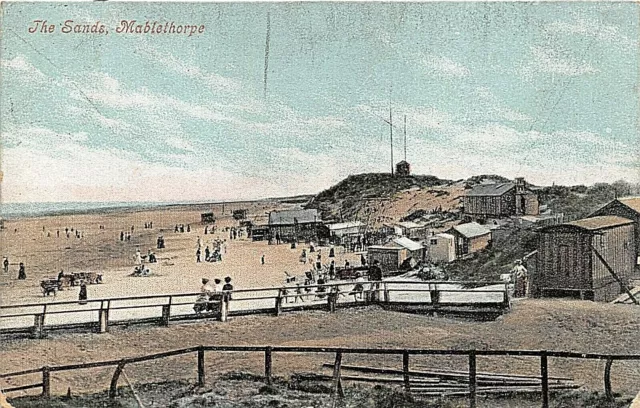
405, 137
266, 54
391, 134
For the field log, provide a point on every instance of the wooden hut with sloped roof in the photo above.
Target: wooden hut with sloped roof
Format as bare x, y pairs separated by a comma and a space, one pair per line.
627, 207
574, 258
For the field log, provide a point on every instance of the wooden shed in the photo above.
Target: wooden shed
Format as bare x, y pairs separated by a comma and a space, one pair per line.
296, 225
470, 237
500, 200
572, 256
393, 255
627, 207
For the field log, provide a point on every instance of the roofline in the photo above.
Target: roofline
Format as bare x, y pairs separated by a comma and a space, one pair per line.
572, 226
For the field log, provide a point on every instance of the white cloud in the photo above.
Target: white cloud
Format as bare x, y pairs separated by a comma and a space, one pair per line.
551, 61
594, 29
443, 66
180, 143
22, 68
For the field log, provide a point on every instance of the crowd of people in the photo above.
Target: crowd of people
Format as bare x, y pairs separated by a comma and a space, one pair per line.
210, 294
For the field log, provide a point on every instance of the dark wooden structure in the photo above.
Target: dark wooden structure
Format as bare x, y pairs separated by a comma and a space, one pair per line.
240, 214
628, 207
207, 218
500, 200
297, 225
575, 258
470, 237
403, 168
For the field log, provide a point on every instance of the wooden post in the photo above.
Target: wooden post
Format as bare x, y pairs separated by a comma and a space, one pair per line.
405, 371
166, 313
544, 374
103, 318
332, 299
386, 292
506, 300
607, 379
278, 308
337, 381
113, 388
473, 399
267, 365
434, 294
201, 373
46, 382
224, 307
38, 324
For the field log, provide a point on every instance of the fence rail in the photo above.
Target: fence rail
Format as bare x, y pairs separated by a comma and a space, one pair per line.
337, 378
434, 296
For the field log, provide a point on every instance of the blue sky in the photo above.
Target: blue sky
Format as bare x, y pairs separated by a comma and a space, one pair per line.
547, 91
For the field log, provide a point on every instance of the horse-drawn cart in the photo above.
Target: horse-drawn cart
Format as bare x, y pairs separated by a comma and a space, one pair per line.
49, 286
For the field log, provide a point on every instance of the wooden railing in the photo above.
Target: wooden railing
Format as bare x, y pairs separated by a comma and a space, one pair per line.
274, 300
270, 351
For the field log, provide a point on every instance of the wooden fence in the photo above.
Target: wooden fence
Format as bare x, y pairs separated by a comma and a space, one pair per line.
270, 351
431, 298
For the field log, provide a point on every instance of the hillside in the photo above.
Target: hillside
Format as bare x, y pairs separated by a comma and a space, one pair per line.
346, 200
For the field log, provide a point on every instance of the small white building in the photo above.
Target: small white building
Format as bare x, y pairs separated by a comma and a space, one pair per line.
409, 229
342, 229
442, 248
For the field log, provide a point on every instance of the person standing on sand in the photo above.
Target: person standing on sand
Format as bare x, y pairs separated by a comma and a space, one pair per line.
262, 259
22, 275
5, 264
138, 257
82, 296
198, 255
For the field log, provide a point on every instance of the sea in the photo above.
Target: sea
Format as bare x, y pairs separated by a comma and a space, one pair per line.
21, 210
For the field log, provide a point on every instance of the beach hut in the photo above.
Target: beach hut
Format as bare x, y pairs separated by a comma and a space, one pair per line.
500, 200
470, 237
442, 248
396, 253
572, 258
295, 225
627, 207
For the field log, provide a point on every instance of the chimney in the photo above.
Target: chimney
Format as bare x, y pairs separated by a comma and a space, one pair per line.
520, 185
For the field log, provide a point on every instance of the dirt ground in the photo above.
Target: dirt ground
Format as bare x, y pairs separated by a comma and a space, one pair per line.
532, 324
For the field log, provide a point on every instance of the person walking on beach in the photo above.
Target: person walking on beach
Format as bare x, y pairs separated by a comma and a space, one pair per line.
198, 255
82, 296
22, 275
138, 257
5, 264
262, 259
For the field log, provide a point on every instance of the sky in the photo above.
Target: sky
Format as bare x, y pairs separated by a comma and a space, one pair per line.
546, 91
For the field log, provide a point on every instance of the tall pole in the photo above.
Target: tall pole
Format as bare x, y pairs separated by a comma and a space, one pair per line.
405, 137
266, 54
391, 133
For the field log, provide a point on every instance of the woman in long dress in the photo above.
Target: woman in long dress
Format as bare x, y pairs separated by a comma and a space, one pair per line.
82, 296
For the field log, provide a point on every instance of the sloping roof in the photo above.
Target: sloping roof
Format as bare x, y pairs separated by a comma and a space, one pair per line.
472, 229
601, 222
345, 225
409, 224
631, 202
290, 217
408, 243
445, 235
490, 189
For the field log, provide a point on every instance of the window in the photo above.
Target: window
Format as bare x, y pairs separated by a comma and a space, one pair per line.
433, 241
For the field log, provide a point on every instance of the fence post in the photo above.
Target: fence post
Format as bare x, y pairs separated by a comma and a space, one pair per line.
473, 399
46, 382
113, 388
607, 379
506, 300
38, 323
267, 364
332, 299
434, 294
405, 370
337, 381
544, 373
166, 313
201, 373
103, 318
278, 308
386, 292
